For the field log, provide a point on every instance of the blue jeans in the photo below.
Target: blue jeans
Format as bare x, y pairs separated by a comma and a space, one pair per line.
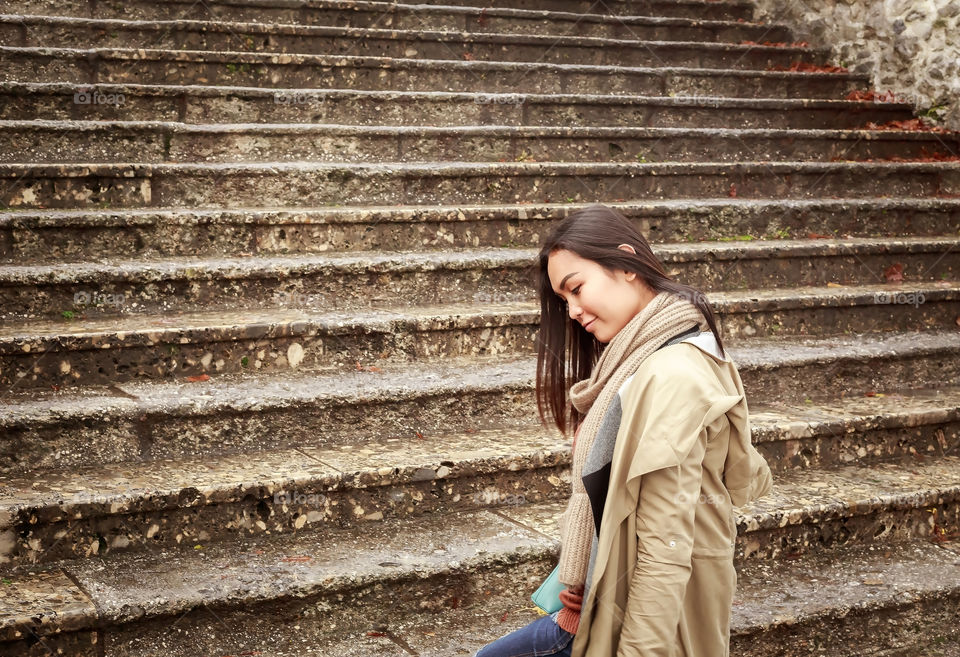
540, 638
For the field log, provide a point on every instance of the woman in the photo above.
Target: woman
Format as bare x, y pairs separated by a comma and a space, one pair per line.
661, 454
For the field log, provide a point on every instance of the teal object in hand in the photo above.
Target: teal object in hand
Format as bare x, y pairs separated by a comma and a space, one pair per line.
547, 597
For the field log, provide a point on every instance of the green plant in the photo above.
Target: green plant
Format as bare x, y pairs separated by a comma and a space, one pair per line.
68, 314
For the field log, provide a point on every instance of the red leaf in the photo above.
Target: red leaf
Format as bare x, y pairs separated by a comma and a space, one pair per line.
894, 273
872, 393
199, 377
733, 190
806, 67
504, 617
300, 558
376, 634
817, 236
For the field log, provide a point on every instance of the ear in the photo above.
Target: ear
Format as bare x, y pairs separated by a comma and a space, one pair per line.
629, 275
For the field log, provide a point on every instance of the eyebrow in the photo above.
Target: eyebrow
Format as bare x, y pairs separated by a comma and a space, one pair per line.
564, 281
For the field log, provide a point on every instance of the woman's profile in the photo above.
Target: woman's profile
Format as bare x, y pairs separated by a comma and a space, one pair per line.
661, 451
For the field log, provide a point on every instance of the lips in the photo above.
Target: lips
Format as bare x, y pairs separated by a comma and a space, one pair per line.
587, 325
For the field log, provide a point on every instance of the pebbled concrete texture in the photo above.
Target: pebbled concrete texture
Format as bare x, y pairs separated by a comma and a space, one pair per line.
206, 103
518, 15
158, 66
43, 236
651, 41
56, 141
892, 595
307, 183
175, 418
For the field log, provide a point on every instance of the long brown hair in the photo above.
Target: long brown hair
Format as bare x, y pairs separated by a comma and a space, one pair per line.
566, 353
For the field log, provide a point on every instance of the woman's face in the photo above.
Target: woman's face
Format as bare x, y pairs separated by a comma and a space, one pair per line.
602, 303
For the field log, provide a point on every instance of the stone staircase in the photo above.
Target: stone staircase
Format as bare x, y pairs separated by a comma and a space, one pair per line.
268, 317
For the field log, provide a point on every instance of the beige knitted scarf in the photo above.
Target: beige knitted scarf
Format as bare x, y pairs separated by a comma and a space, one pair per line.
664, 317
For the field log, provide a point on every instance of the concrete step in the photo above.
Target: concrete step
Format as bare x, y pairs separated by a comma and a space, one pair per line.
99, 510
56, 235
130, 346
342, 282
143, 66
211, 104
160, 416
448, 585
127, 141
309, 184
121, 346
522, 15
684, 8
651, 42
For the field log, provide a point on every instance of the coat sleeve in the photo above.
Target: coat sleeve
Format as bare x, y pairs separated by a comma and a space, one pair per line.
665, 528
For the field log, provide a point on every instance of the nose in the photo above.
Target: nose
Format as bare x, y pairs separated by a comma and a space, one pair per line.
574, 310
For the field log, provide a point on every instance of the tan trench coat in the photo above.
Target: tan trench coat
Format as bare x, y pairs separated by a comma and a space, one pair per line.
663, 580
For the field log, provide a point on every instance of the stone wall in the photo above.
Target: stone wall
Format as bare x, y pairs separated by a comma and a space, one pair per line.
909, 47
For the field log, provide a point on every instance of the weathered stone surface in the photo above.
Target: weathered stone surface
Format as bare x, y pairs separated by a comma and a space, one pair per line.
230, 414
206, 104
306, 72
56, 141
911, 50
56, 236
490, 15
304, 184
649, 41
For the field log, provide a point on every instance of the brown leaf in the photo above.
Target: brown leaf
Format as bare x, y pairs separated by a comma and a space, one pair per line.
834, 285
199, 377
376, 634
299, 558
894, 273
872, 393
958, 320
817, 236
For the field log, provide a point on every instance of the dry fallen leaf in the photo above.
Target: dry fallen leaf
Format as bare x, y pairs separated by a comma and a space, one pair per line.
300, 558
834, 285
733, 190
199, 377
894, 273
